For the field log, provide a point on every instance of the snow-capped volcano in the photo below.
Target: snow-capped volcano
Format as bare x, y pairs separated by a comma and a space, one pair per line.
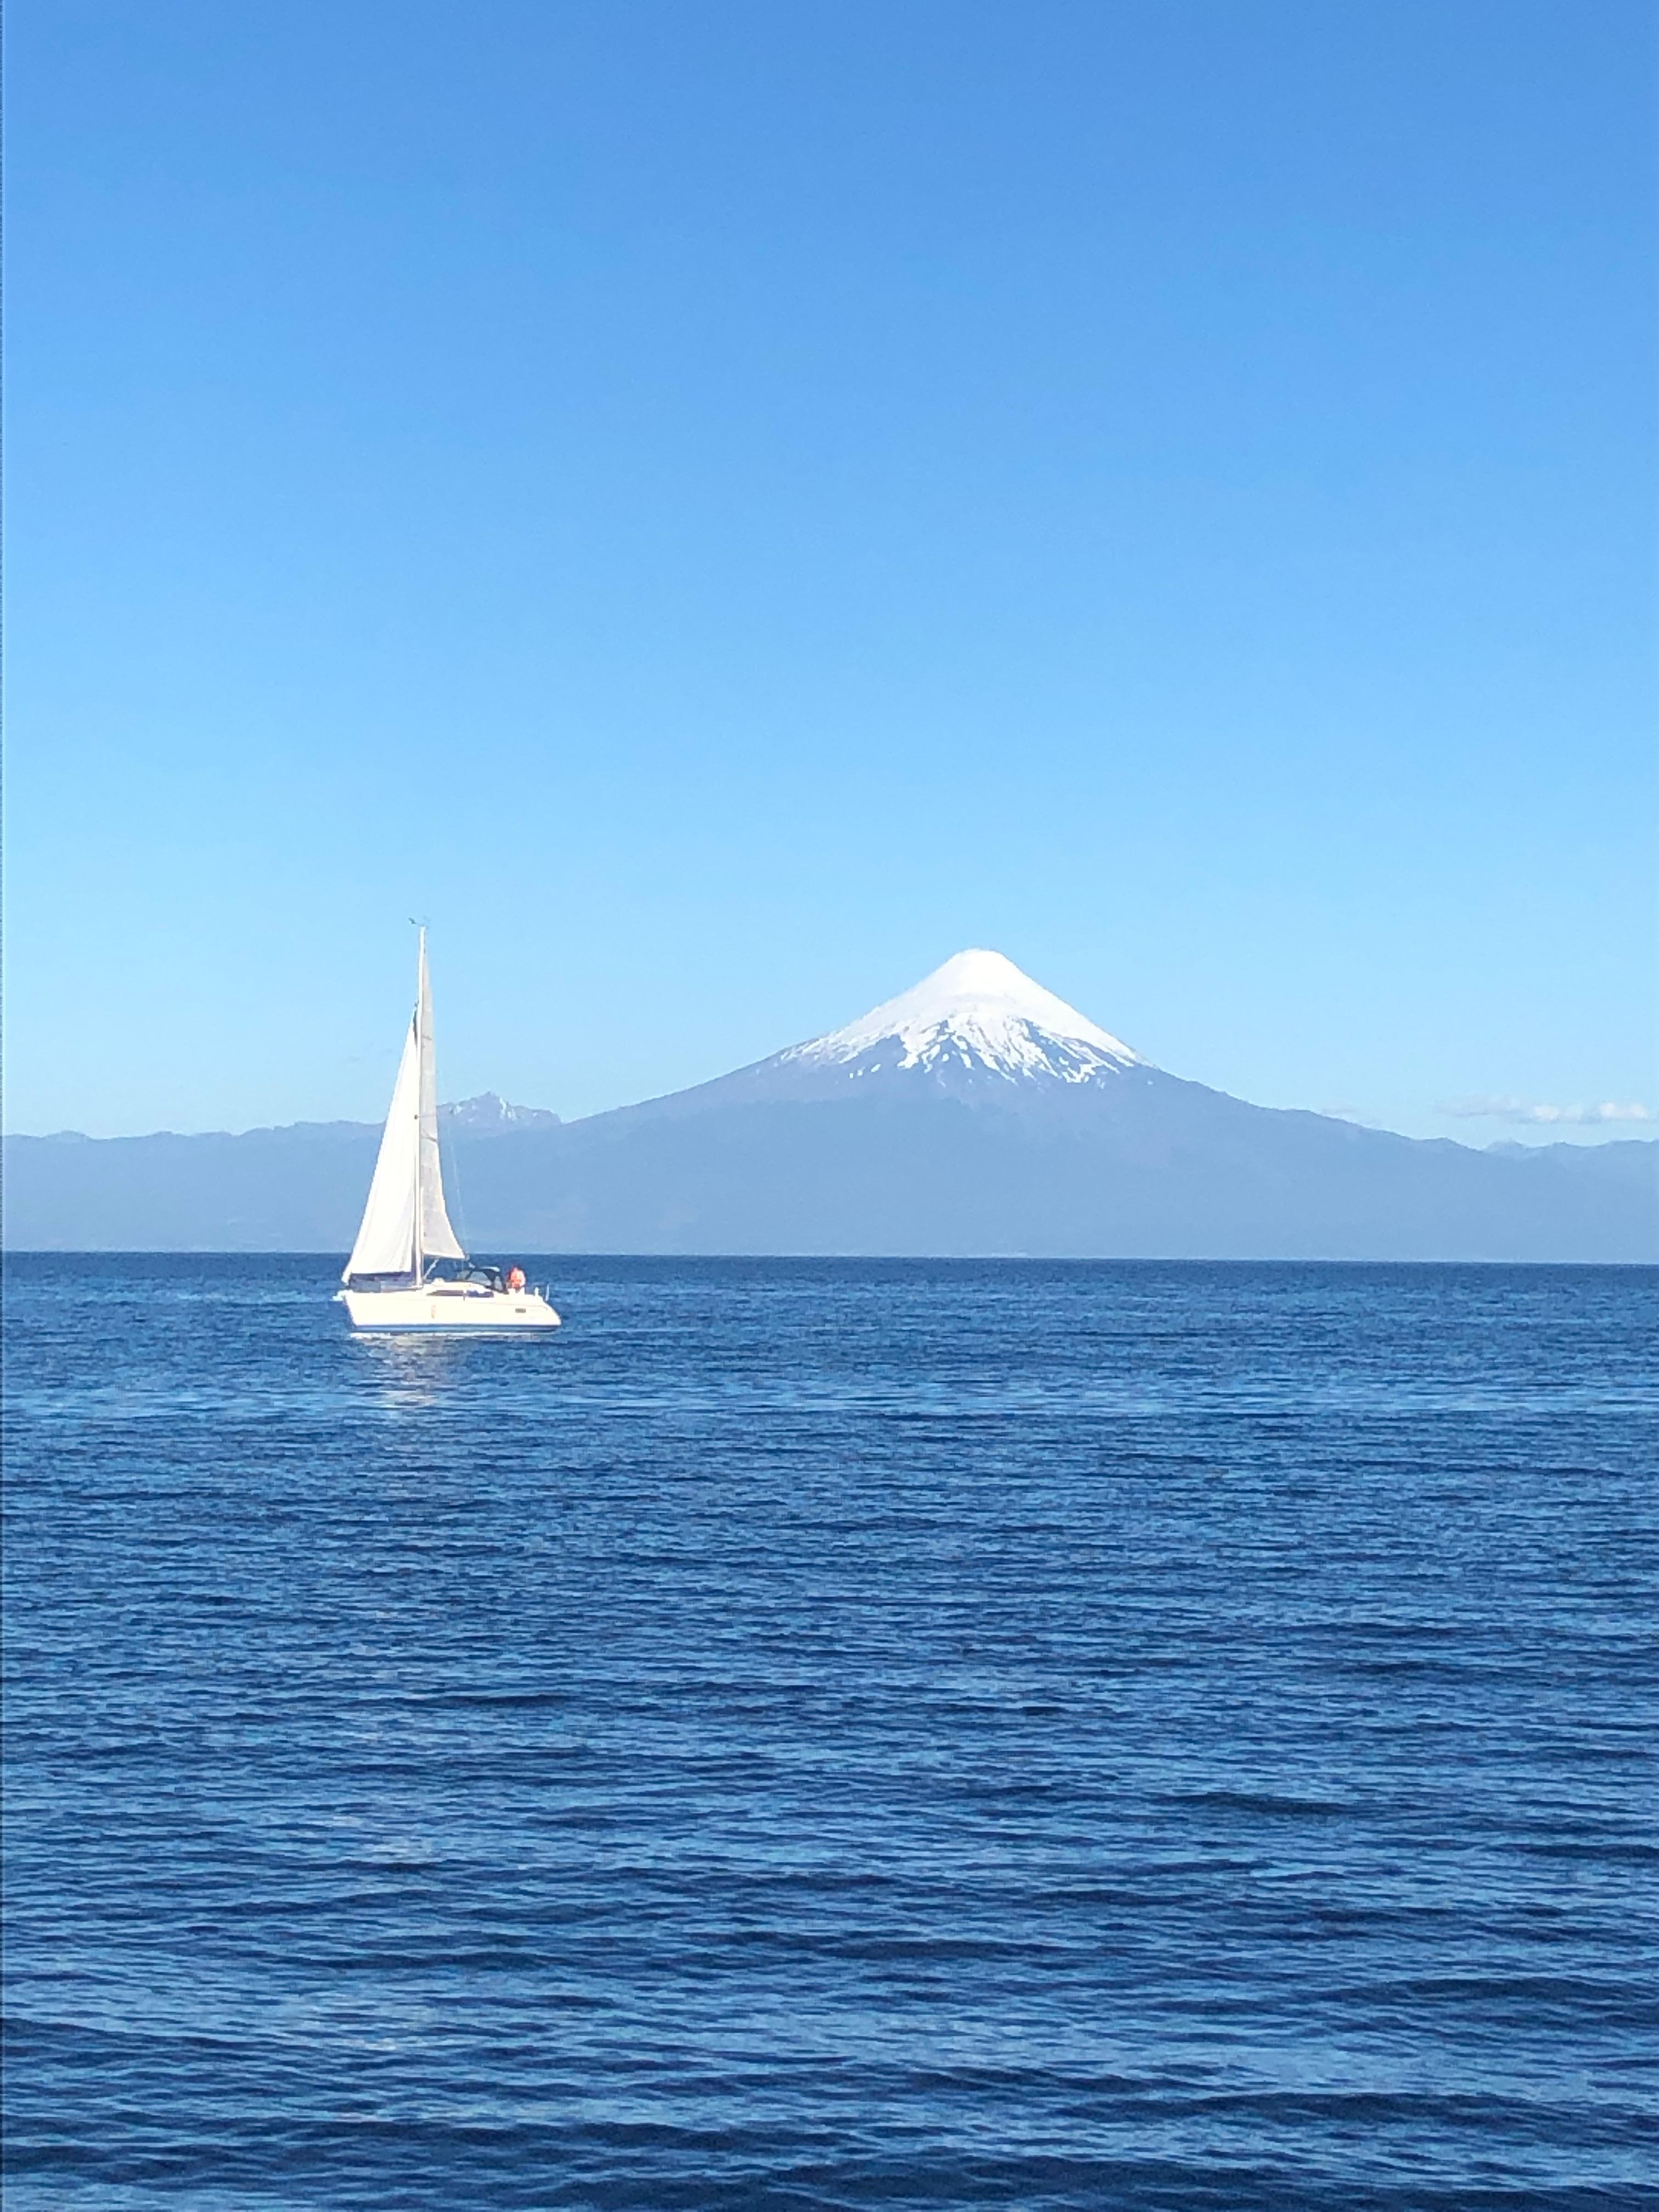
976, 1114
978, 1015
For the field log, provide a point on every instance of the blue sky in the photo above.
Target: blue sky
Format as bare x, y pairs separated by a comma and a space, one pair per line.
717, 508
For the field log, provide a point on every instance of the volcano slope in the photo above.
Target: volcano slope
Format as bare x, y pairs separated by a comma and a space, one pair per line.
978, 1114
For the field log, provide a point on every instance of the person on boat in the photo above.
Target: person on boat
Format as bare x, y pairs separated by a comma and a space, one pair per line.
515, 1279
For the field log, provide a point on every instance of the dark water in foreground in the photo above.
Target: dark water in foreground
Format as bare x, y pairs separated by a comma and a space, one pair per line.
836, 1734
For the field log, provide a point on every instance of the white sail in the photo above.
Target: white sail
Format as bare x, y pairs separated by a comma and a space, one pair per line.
438, 1240
405, 1223
385, 1242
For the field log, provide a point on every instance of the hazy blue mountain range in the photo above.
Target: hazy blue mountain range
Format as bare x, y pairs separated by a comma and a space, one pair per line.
976, 1114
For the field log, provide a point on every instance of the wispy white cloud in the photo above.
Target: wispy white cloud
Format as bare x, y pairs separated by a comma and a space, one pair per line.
1521, 1109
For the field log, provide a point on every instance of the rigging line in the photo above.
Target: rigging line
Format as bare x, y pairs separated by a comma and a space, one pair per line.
450, 1168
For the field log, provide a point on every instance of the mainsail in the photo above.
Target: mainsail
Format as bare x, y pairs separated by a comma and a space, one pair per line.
405, 1223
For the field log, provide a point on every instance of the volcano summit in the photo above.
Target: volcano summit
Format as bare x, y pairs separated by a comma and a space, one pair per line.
977, 1016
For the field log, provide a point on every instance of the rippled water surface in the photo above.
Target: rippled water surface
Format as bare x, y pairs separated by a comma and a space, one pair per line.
835, 1734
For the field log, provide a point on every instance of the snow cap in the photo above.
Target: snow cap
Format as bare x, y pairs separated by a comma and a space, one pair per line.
979, 1008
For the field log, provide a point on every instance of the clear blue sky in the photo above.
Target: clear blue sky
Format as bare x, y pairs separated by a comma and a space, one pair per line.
718, 507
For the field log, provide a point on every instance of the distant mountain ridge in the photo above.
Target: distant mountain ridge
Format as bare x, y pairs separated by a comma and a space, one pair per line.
488, 1114
975, 1114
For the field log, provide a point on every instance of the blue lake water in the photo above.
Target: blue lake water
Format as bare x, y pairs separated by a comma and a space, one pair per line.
835, 1734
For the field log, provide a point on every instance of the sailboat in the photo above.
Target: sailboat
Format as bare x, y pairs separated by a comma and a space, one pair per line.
394, 1278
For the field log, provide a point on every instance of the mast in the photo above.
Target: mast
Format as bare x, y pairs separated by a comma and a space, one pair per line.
419, 1047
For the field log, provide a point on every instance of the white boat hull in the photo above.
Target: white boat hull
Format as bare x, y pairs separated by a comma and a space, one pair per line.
461, 1309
